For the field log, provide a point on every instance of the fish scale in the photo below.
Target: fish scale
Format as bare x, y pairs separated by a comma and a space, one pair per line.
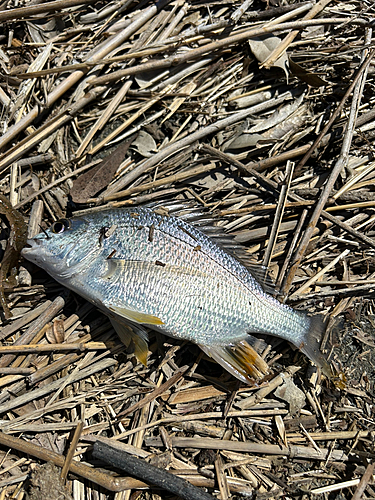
141, 267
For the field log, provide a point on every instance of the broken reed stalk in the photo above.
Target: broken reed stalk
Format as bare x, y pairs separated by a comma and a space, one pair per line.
187, 141
82, 470
56, 384
258, 208
32, 10
329, 436
291, 451
71, 451
278, 215
49, 127
155, 184
117, 40
16, 371
361, 71
365, 480
31, 349
154, 394
33, 330
357, 234
262, 165
26, 318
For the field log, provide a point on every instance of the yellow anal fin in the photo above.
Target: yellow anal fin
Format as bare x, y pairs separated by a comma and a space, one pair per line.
240, 359
249, 359
133, 334
136, 316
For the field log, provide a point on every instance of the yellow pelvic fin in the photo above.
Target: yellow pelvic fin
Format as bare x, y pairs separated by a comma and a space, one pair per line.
135, 334
137, 317
141, 351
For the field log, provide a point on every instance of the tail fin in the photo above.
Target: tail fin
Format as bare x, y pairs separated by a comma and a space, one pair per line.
311, 344
239, 359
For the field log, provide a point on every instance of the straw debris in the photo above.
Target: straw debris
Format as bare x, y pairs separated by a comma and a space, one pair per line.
259, 113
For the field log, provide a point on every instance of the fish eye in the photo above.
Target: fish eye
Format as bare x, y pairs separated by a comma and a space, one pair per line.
60, 226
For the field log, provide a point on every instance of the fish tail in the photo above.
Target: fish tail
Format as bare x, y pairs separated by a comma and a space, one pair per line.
240, 359
311, 344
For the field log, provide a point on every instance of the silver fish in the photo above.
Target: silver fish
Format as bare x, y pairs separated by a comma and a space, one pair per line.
146, 266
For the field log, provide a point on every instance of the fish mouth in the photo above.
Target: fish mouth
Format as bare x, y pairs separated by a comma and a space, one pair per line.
30, 246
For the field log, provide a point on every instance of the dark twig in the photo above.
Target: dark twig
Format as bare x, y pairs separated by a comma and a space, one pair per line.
147, 472
78, 468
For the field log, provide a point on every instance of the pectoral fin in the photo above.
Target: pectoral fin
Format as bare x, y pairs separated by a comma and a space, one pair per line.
240, 359
136, 316
135, 334
115, 266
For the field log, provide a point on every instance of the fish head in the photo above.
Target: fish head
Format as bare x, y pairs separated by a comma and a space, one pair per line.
66, 248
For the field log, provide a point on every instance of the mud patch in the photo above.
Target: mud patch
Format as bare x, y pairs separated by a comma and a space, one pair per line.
45, 483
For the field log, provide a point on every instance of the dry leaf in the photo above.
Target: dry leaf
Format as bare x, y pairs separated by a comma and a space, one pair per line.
145, 144
56, 333
243, 141
306, 76
262, 48
94, 180
277, 116
290, 393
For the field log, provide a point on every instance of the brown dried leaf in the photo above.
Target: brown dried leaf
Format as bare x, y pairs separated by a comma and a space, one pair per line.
55, 333
94, 180
306, 76
292, 394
